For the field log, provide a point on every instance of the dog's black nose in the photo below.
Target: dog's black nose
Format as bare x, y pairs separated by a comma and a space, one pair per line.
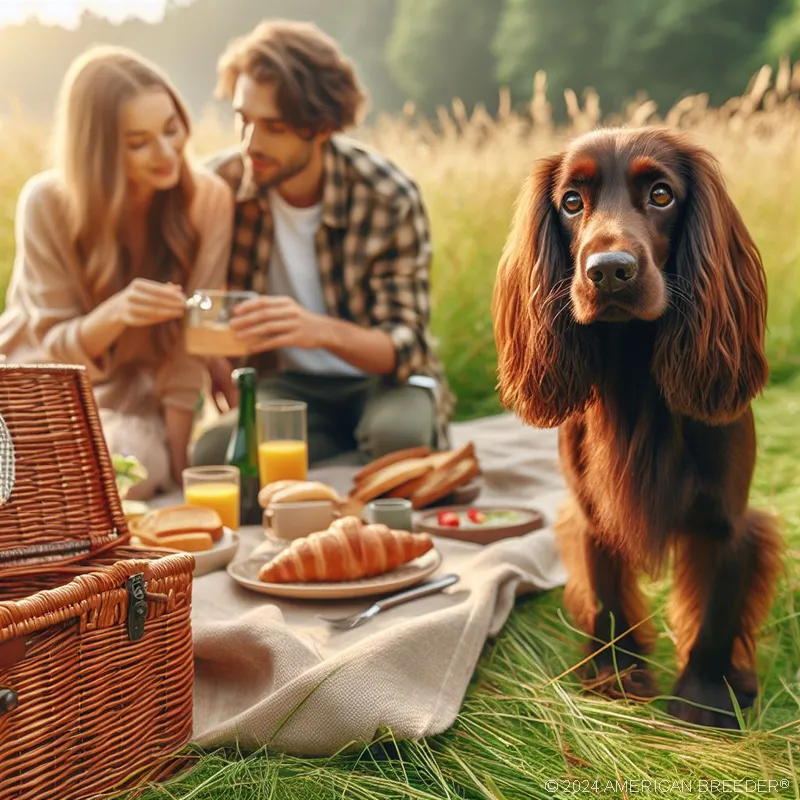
610, 272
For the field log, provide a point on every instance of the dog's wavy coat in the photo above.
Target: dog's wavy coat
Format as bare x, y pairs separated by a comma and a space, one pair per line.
630, 310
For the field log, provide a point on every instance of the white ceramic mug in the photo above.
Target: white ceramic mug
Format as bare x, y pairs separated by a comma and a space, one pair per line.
296, 520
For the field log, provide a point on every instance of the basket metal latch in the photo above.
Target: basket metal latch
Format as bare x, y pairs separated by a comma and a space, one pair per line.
137, 606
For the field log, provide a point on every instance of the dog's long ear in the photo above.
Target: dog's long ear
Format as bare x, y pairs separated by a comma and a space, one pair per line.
545, 360
709, 359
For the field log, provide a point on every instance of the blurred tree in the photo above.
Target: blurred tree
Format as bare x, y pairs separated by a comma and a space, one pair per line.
685, 46
784, 38
441, 49
434, 50
669, 49
364, 31
561, 37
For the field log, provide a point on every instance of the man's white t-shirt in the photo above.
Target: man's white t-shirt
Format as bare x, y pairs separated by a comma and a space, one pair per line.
294, 272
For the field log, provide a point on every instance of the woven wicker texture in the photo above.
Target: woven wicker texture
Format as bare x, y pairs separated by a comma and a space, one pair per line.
6, 462
94, 697
97, 712
64, 503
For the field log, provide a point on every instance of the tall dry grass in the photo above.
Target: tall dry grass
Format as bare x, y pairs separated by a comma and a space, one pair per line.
470, 167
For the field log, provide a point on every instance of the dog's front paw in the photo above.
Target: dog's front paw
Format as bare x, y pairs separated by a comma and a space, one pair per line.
703, 701
632, 683
618, 674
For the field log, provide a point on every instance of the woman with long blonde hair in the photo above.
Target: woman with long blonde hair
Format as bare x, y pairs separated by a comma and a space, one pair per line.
109, 245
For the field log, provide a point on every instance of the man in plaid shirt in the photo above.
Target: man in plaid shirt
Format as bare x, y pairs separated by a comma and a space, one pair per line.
334, 238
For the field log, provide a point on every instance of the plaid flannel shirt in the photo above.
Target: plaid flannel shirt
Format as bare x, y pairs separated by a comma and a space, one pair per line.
373, 250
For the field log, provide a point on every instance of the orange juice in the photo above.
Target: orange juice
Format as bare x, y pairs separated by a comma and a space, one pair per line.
282, 459
222, 497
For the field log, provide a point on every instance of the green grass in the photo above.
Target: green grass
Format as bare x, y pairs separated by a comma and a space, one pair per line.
524, 721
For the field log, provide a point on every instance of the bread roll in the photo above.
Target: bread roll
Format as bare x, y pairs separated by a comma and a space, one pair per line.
268, 491
305, 491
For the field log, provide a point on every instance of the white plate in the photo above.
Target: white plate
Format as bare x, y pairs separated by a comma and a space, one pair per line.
245, 573
218, 556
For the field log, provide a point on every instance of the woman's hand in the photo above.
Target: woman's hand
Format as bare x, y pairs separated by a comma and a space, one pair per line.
140, 304
144, 302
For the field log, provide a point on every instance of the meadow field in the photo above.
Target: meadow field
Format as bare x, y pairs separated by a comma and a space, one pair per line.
524, 722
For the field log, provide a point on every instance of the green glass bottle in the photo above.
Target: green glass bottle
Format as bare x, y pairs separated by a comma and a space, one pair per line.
243, 446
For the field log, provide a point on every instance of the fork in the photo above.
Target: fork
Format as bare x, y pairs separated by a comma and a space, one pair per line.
421, 590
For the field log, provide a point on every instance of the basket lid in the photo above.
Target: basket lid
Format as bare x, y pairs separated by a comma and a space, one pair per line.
59, 502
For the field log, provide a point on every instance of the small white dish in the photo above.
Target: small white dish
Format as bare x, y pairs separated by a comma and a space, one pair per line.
219, 556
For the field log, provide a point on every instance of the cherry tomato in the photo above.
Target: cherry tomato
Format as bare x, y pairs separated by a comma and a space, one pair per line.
448, 519
476, 516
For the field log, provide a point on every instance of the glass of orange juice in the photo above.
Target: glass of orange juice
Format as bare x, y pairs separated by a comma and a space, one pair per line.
214, 487
282, 440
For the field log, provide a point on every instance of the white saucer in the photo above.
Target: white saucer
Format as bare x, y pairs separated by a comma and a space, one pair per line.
219, 556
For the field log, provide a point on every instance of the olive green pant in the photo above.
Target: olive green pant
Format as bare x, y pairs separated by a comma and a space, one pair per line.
350, 420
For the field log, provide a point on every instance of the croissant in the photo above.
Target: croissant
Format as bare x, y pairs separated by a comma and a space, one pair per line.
348, 550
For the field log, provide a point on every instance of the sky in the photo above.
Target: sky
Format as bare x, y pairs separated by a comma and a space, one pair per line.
67, 12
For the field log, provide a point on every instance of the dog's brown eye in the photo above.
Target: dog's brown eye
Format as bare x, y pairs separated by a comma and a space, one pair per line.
572, 203
661, 195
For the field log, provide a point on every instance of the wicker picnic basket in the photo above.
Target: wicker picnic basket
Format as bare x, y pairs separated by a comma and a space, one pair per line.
96, 669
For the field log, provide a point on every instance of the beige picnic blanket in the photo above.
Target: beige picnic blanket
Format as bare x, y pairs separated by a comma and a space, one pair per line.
268, 672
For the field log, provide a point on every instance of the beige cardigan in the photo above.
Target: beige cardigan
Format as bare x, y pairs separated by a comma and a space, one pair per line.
47, 298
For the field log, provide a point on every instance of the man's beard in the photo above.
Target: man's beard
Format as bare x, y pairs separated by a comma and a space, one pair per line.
285, 173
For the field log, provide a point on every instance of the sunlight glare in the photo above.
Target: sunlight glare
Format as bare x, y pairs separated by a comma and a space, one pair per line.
67, 13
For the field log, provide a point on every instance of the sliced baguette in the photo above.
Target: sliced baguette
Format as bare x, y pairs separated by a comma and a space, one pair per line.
389, 459
450, 458
405, 490
444, 467
388, 478
463, 472
440, 463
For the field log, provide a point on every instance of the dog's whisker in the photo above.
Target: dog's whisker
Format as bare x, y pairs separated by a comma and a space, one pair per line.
560, 312
679, 280
560, 289
671, 304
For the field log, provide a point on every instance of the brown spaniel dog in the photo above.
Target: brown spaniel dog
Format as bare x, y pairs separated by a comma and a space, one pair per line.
630, 310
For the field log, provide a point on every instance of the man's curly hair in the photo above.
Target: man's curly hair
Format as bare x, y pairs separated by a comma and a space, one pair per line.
317, 88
